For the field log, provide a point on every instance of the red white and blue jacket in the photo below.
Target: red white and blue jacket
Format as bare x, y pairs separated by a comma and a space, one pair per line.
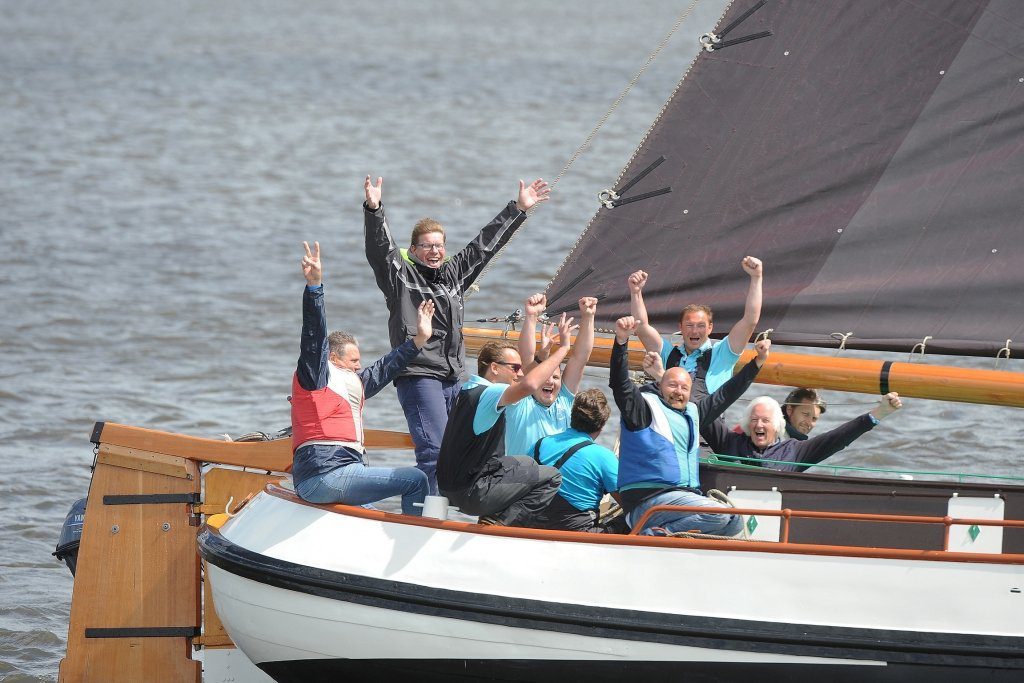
327, 402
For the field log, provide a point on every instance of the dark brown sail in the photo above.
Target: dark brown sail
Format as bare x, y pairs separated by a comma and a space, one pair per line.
871, 153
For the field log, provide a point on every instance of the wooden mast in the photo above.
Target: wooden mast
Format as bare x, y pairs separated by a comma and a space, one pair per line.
914, 380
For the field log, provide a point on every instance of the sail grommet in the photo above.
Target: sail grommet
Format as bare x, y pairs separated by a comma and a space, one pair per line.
607, 198
708, 40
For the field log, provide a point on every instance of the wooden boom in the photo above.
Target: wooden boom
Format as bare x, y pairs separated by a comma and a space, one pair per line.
914, 380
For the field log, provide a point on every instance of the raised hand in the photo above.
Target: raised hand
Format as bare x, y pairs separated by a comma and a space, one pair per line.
311, 269
752, 266
653, 365
762, 347
373, 192
588, 307
424, 323
624, 327
548, 333
565, 329
534, 193
887, 405
536, 305
636, 282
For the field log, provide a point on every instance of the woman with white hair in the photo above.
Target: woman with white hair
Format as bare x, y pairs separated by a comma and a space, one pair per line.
763, 426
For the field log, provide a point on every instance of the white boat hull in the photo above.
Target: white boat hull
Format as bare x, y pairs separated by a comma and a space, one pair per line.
310, 593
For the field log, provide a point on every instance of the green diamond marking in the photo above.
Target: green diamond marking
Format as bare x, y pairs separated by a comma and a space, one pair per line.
973, 531
751, 524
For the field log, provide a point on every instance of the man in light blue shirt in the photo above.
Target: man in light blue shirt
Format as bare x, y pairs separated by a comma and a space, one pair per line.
589, 470
710, 364
547, 410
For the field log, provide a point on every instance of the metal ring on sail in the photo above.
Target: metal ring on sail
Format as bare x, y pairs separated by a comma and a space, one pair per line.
586, 143
712, 42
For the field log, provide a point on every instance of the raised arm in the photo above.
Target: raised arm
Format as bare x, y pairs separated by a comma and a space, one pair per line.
312, 371
379, 242
648, 336
383, 371
573, 374
468, 263
527, 345
817, 448
714, 404
635, 412
539, 374
740, 333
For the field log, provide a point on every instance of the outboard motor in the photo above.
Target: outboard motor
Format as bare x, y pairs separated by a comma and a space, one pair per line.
71, 535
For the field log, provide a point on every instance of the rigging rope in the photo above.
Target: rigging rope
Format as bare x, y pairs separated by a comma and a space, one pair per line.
475, 287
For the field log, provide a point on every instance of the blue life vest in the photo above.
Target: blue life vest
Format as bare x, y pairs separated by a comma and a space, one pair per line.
663, 454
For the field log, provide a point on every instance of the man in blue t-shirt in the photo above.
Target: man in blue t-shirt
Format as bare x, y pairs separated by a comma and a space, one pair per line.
589, 470
472, 468
710, 364
546, 411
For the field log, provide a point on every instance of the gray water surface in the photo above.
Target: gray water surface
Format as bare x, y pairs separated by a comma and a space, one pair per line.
160, 164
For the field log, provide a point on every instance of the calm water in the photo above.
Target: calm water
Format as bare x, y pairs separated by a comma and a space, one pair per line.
160, 164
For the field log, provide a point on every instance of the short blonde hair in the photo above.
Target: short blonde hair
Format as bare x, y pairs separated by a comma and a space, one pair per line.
425, 226
695, 308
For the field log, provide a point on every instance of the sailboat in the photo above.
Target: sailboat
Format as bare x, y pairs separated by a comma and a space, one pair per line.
870, 152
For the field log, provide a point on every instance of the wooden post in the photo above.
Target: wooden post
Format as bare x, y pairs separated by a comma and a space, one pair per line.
135, 606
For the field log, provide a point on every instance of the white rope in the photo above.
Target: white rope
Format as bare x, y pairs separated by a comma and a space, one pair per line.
841, 338
922, 344
1000, 355
587, 142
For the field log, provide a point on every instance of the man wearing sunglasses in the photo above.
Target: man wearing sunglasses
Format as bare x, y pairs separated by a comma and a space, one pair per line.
473, 470
429, 384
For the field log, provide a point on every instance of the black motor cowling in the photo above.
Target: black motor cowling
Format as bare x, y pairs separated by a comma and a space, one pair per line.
71, 535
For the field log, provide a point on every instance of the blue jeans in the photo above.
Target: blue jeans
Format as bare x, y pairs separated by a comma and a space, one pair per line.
426, 402
357, 484
721, 524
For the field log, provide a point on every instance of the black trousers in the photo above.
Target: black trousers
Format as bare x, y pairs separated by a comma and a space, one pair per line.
561, 514
512, 489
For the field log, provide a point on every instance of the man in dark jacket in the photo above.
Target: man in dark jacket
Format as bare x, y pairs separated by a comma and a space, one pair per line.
429, 384
763, 424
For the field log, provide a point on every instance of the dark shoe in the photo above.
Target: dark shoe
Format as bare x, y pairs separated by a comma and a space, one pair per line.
489, 520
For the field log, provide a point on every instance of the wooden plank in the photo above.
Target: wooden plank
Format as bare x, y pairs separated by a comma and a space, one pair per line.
270, 456
134, 572
130, 458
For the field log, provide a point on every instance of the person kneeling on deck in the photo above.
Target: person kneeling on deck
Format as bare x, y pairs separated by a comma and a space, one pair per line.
472, 468
547, 410
658, 453
589, 470
763, 426
328, 391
